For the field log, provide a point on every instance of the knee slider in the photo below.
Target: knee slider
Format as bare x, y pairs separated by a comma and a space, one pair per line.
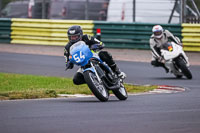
154, 63
78, 79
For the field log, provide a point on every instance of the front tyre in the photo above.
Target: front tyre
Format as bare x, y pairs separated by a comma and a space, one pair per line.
182, 65
97, 88
121, 93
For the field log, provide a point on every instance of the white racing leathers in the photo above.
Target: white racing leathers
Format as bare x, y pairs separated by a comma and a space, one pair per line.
156, 44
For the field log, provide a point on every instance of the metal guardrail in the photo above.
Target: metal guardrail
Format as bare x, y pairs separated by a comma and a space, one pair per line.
44, 31
114, 35
130, 35
5, 30
191, 37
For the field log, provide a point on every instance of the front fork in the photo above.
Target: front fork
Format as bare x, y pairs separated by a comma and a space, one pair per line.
94, 69
100, 74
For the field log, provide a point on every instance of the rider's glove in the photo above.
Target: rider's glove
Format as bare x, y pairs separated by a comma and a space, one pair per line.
69, 65
96, 47
180, 44
160, 59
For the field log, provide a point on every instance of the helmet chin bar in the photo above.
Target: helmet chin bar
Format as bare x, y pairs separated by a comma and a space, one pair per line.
159, 37
158, 34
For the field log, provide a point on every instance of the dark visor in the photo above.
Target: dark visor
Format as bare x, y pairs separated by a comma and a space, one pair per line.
157, 33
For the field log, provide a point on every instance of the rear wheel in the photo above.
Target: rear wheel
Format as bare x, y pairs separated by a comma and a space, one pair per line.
121, 93
182, 65
178, 76
96, 87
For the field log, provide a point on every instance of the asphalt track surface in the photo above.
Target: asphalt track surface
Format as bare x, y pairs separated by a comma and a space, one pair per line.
154, 113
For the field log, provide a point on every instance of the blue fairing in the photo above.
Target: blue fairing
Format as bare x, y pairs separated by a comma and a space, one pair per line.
80, 53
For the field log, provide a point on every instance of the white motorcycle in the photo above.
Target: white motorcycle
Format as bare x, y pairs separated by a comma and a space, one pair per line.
176, 60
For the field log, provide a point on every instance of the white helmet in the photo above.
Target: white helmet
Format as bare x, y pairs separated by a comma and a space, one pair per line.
157, 31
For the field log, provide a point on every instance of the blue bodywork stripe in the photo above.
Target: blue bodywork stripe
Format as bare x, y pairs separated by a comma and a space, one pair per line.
89, 69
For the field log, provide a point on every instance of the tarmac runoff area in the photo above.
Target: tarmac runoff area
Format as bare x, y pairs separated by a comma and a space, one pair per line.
118, 54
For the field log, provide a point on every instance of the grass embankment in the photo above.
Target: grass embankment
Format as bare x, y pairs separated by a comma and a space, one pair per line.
19, 86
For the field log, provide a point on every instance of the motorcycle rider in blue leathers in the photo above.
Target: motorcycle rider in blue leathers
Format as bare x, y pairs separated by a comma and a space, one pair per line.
75, 34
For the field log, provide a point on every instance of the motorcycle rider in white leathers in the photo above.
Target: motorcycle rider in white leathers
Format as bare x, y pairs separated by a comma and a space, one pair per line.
158, 38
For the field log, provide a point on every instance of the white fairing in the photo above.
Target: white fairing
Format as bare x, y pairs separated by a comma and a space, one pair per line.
167, 55
170, 55
177, 50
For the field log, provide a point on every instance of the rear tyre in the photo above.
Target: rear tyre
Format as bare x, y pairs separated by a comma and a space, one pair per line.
121, 93
97, 88
182, 65
178, 76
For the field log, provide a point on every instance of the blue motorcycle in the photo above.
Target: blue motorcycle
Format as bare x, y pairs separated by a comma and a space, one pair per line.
97, 74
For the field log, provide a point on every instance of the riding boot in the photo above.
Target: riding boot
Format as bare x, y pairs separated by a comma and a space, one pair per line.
166, 69
107, 57
115, 69
156, 63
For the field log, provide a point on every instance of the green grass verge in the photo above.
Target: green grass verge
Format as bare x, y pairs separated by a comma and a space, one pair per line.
19, 86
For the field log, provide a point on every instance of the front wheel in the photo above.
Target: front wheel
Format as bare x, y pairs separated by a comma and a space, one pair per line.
95, 86
182, 65
121, 93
